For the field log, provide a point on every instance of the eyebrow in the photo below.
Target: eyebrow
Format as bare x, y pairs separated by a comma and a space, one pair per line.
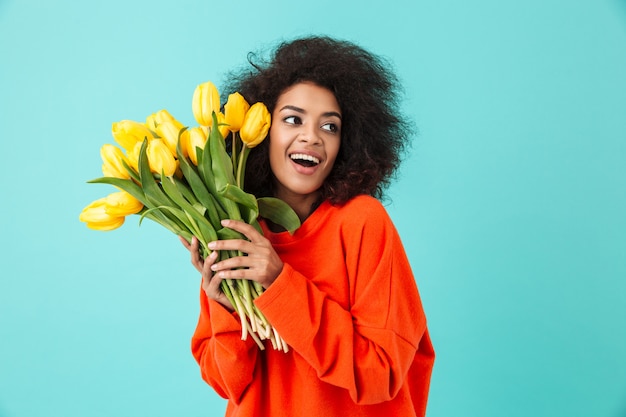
299, 110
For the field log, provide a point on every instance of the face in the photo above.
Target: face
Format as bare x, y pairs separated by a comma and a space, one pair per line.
304, 140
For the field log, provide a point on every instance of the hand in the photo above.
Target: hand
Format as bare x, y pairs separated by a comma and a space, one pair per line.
261, 264
210, 283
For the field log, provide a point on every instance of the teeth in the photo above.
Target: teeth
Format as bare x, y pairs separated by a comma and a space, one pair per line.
304, 157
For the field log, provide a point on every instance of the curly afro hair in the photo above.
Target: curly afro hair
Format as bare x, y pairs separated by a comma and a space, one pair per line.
373, 133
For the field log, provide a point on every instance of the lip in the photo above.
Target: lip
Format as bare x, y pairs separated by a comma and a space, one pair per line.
302, 169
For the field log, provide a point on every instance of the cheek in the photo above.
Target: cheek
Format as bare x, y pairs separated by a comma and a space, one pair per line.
332, 154
275, 155
278, 143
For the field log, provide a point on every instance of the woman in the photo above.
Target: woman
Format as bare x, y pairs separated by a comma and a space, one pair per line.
340, 290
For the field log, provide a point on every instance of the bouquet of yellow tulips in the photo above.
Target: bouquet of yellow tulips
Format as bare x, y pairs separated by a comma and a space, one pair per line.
188, 181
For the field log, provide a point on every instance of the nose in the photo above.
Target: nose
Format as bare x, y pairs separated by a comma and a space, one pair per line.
309, 134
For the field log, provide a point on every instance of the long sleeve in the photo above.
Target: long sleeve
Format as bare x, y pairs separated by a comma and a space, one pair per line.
367, 342
226, 362
347, 304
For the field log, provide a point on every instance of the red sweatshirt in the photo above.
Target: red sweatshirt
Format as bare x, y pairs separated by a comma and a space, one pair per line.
347, 305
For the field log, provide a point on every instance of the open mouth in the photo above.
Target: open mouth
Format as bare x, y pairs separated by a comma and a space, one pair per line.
304, 160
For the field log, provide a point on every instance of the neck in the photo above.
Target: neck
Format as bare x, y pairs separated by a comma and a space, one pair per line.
303, 205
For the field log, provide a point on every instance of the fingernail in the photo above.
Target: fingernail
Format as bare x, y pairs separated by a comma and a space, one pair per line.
211, 245
224, 222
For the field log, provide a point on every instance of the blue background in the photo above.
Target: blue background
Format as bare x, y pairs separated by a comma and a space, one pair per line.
511, 204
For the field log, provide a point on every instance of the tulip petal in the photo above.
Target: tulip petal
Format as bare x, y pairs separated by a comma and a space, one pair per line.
235, 111
122, 203
255, 125
96, 217
206, 100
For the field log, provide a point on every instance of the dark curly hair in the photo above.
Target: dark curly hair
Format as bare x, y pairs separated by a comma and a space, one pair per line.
373, 132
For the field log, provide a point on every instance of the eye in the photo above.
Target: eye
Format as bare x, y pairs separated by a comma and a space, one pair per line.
331, 127
292, 120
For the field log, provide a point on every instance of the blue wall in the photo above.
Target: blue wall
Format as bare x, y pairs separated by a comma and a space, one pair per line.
512, 203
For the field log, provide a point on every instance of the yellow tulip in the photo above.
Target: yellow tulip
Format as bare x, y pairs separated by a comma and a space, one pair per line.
184, 143
157, 118
169, 130
97, 218
235, 110
112, 158
255, 126
206, 100
160, 158
133, 156
195, 138
127, 133
121, 203
221, 125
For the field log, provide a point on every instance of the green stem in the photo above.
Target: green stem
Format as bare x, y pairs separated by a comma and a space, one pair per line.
241, 166
234, 148
226, 290
240, 309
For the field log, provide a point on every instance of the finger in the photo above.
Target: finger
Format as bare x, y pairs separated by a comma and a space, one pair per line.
207, 273
235, 274
184, 242
214, 288
208, 263
196, 259
193, 244
232, 244
244, 228
232, 263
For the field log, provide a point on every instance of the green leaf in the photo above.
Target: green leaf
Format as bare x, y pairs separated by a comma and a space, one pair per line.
204, 168
201, 209
148, 183
184, 189
231, 208
221, 165
222, 214
131, 171
225, 233
207, 230
172, 224
155, 211
127, 185
157, 215
203, 183
154, 194
199, 188
236, 194
279, 212
247, 202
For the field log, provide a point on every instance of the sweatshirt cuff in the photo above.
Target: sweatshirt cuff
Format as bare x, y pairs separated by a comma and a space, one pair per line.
222, 320
215, 319
282, 300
